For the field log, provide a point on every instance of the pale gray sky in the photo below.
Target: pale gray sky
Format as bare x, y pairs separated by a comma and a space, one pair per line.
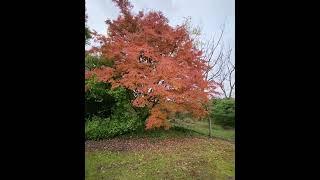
210, 15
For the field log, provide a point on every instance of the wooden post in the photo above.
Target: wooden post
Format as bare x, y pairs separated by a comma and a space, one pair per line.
210, 127
209, 120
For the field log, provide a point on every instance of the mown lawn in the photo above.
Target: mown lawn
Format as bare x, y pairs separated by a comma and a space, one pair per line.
202, 127
174, 154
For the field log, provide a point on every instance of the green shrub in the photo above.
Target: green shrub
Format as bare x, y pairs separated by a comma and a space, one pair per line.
223, 112
98, 100
109, 112
100, 128
97, 128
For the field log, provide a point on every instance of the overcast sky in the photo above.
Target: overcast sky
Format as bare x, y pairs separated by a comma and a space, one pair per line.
210, 15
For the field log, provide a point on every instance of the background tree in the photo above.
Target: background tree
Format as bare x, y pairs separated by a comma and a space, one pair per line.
221, 69
223, 112
159, 63
86, 30
226, 80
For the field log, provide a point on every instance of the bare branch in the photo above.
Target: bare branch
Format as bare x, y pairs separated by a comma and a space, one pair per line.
220, 68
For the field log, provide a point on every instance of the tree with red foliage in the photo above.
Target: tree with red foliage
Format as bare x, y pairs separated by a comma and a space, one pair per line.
159, 63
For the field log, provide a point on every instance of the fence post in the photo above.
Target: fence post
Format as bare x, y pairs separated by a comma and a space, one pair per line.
208, 108
210, 127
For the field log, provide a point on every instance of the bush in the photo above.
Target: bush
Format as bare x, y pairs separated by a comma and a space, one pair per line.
98, 100
100, 128
97, 128
223, 112
109, 112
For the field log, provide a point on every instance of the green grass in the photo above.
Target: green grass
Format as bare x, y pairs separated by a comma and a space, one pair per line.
202, 128
199, 159
185, 128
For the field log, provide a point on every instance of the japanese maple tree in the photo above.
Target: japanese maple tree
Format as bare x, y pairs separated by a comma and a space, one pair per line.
158, 62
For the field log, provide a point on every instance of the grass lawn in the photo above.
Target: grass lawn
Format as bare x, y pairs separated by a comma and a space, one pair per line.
179, 153
202, 127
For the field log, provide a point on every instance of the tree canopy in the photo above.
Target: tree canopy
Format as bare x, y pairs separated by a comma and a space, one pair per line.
158, 62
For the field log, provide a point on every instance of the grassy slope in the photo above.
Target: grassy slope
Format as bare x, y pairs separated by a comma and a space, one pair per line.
202, 127
197, 157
